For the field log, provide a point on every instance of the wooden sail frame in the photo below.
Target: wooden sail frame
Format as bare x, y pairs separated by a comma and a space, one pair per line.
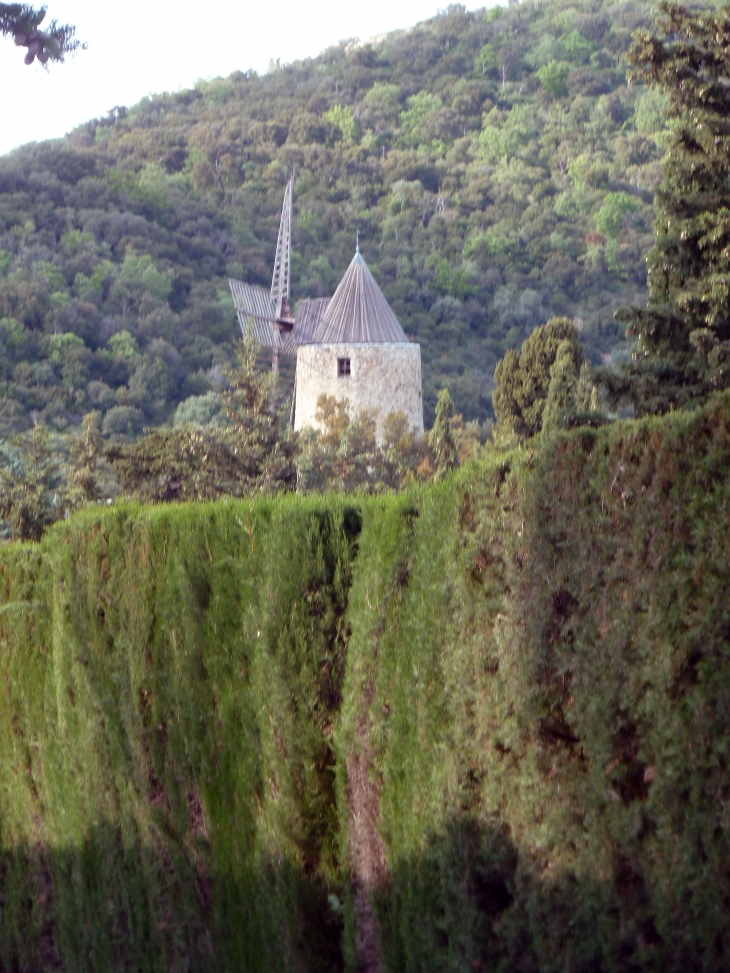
266, 317
281, 278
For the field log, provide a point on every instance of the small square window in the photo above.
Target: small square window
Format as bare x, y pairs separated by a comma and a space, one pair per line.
343, 366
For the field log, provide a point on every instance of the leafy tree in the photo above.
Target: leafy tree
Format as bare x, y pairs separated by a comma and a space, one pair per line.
548, 49
554, 78
150, 385
406, 457
523, 311
420, 107
523, 379
358, 459
122, 420
345, 454
451, 280
123, 345
609, 217
342, 122
577, 47
139, 276
22, 22
486, 60
683, 335
652, 111
200, 410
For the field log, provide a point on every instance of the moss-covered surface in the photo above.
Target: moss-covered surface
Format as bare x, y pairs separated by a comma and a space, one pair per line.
496, 711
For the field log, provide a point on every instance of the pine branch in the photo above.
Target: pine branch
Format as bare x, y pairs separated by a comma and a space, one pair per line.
22, 22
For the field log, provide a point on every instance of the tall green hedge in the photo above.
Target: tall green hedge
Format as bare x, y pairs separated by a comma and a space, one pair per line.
499, 705
169, 680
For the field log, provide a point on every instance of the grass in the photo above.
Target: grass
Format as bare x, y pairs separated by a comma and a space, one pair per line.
498, 704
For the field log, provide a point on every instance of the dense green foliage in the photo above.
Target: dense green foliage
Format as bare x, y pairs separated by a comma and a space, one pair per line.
683, 349
498, 166
167, 783
498, 704
231, 444
30, 478
346, 455
544, 688
524, 379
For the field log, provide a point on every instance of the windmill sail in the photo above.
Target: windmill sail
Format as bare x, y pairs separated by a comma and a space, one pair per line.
266, 317
256, 312
282, 262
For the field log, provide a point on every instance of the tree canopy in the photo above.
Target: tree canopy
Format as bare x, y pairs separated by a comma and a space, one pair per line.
683, 335
525, 381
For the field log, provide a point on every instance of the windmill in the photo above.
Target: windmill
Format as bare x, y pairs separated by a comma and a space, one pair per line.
350, 345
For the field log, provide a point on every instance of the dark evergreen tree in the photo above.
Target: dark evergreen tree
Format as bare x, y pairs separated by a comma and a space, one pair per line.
82, 485
30, 491
251, 454
523, 379
260, 432
683, 335
561, 397
441, 437
186, 463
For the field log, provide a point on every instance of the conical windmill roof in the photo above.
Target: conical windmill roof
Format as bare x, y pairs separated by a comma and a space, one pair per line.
358, 312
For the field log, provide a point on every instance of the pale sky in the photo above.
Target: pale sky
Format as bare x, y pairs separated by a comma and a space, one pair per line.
140, 47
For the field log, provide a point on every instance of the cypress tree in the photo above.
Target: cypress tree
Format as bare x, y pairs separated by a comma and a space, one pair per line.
441, 438
683, 335
84, 455
561, 396
522, 379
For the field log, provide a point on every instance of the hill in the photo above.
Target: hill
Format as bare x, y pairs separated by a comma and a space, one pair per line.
498, 166
482, 725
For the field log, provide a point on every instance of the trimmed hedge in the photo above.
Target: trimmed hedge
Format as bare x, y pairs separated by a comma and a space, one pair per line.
547, 669
514, 683
169, 678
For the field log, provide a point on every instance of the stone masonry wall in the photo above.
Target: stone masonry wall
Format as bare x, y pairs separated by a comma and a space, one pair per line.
383, 378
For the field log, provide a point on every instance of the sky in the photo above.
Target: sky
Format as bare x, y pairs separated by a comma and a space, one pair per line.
141, 47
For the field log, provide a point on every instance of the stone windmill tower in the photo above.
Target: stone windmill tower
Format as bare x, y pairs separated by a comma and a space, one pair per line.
351, 346
360, 353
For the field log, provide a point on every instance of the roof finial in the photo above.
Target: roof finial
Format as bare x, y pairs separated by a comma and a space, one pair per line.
357, 240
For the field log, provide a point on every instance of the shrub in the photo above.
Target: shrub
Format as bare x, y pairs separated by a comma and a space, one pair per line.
123, 420
200, 410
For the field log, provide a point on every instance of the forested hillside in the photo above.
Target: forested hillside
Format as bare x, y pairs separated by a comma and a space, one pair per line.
498, 166
479, 725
